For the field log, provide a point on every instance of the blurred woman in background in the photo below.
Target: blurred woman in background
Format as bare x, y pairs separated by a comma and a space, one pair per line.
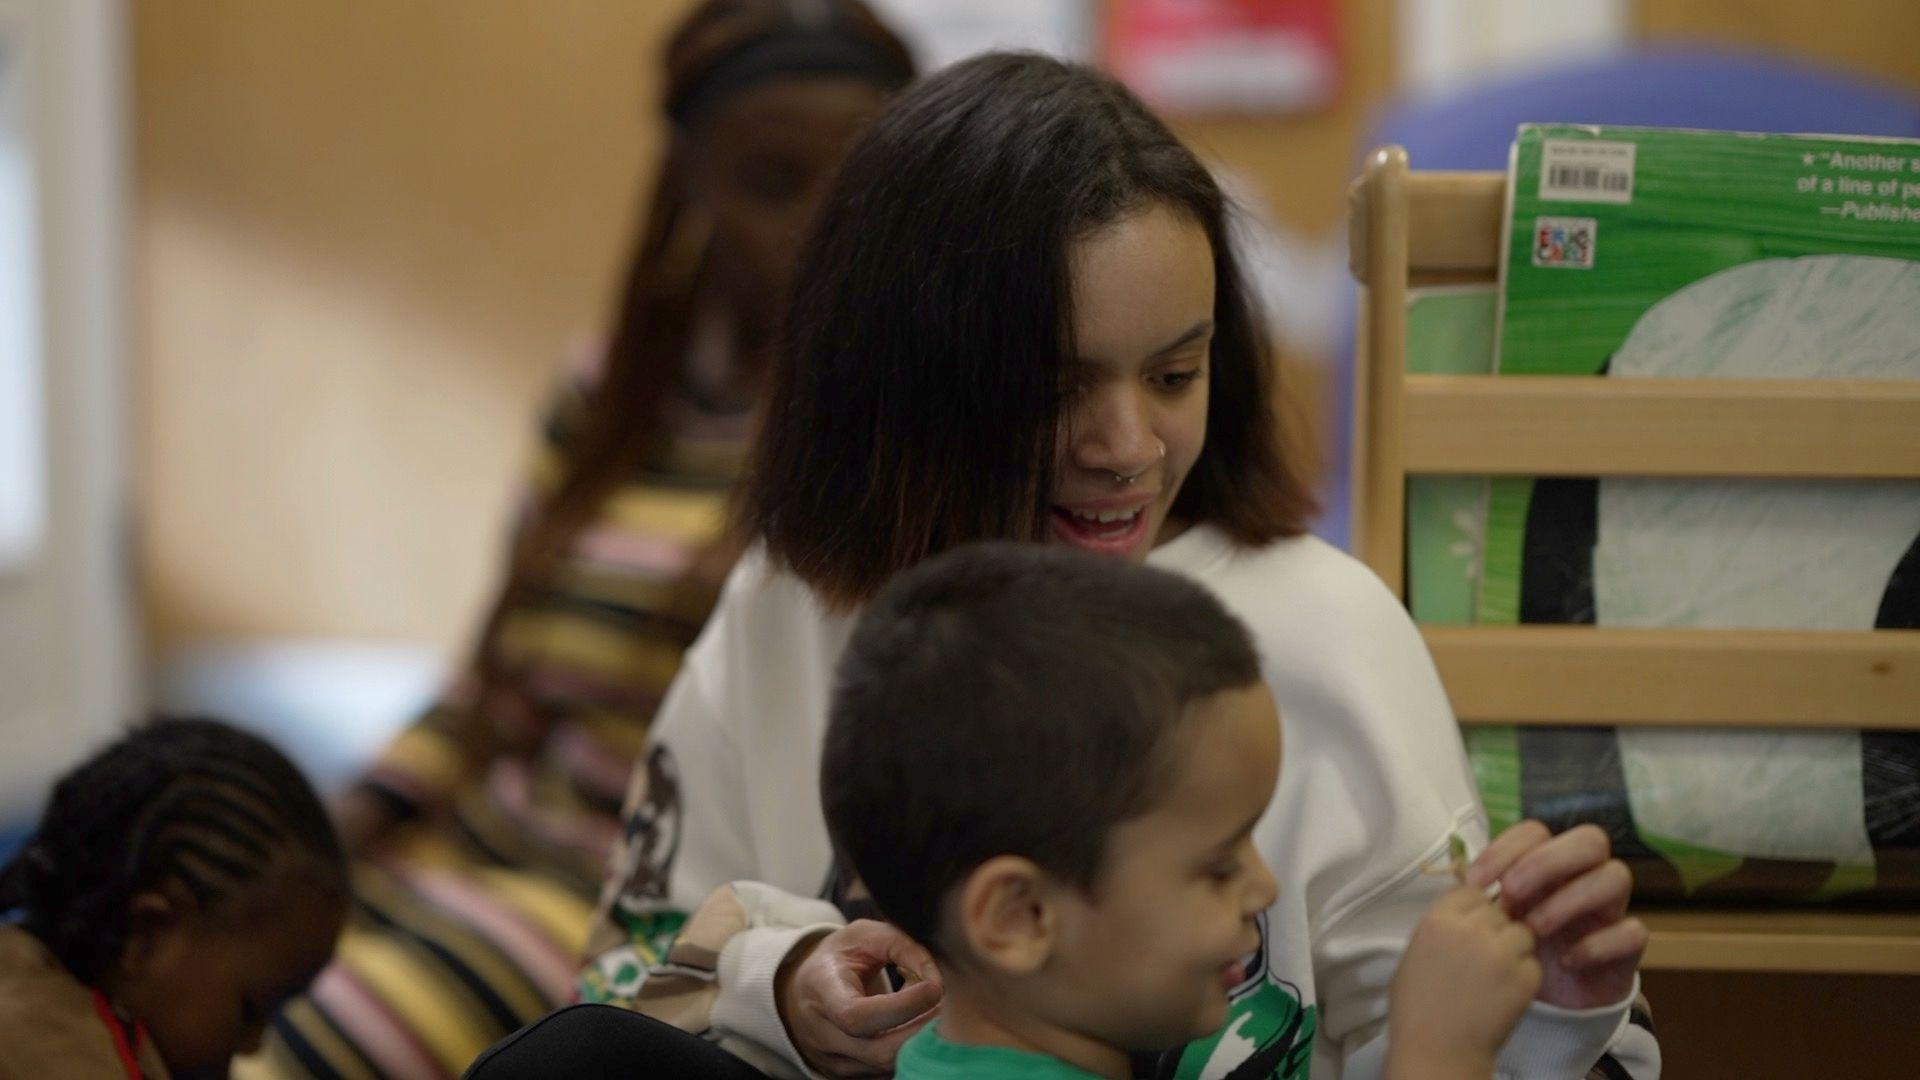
480, 837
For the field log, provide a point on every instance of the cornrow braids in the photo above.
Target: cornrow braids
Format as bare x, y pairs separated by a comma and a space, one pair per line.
191, 801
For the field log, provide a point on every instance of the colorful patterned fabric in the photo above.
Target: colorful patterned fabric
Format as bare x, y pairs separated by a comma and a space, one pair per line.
471, 924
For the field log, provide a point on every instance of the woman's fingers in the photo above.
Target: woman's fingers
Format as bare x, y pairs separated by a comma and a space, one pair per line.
1542, 869
1622, 941
1506, 849
1600, 893
869, 1015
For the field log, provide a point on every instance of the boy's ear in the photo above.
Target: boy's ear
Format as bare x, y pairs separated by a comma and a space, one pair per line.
1005, 913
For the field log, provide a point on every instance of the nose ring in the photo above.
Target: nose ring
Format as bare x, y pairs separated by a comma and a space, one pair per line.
1124, 479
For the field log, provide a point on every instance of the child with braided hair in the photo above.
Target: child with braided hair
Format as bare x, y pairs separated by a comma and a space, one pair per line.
182, 884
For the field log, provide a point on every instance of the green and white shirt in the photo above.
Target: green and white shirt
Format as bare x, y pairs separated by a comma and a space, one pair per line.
927, 1056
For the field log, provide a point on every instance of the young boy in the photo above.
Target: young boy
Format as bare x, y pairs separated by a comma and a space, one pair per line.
1047, 767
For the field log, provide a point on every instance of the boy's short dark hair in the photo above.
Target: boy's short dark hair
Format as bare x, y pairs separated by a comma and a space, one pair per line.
1012, 699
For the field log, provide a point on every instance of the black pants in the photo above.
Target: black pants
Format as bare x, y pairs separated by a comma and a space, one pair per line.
601, 1042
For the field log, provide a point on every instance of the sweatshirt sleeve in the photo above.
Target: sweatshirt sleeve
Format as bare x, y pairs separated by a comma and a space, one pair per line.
715, 979
683, 898
684, 826
1357, 955
746, 1013
1605, 1043
1378, 783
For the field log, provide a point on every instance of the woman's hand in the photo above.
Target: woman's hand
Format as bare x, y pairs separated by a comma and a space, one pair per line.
837, 1007
1468, 974
1573, 895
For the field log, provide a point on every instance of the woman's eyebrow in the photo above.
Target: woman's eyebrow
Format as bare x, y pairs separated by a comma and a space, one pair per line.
1187, 337
1194, 333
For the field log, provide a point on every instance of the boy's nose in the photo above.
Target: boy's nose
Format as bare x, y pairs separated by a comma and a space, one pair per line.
1266, 888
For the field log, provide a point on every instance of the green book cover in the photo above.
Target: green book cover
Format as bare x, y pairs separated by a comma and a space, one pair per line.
1607, 222
1645, 253
1650, 252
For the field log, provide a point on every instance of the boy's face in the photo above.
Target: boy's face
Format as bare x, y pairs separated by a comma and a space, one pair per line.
1146, 961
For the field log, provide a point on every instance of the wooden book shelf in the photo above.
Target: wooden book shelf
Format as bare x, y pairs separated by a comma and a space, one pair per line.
1413, 228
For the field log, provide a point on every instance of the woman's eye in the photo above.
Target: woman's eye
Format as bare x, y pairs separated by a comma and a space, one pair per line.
1177, 380
1224, 872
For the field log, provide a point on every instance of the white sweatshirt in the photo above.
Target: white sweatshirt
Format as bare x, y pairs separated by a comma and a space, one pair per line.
1373, 781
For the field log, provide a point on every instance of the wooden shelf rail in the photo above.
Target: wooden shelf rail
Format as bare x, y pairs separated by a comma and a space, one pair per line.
1411, 229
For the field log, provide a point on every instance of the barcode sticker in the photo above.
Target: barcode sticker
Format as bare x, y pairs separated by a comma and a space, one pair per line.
1578, 170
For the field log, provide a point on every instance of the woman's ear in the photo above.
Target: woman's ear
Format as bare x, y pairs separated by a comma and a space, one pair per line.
1005, 915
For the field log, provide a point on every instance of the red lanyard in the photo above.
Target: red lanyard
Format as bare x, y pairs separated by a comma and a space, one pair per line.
129, 1057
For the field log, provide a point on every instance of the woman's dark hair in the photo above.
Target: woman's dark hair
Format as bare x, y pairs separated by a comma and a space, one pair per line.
720, 44
992, 676
916, 394
190, 801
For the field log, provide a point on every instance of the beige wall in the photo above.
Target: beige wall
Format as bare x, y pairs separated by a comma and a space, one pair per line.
1871, 38
1302, 164
367, 233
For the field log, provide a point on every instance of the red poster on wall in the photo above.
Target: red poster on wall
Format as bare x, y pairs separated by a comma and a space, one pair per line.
1240, 55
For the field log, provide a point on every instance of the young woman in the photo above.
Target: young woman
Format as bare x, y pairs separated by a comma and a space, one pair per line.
481, 835
1019, 317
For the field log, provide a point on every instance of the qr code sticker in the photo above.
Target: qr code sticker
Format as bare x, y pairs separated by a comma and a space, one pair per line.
1564, 241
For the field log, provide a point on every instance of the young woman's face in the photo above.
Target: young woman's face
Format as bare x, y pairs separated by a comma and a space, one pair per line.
1136, 416
761, 161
